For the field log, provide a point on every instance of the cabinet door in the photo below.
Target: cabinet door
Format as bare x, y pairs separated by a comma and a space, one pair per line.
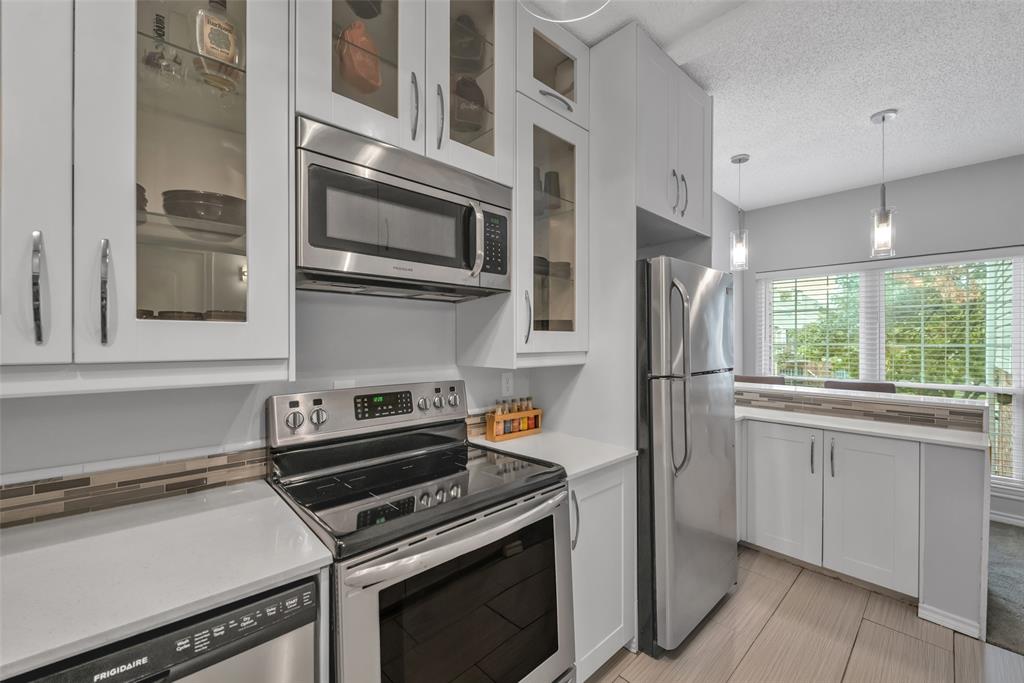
552, 230
35, 182
603, 561
181, 202
871, 509
360, 66
784, 469
658, 189
470, 89
694, 123
552, 67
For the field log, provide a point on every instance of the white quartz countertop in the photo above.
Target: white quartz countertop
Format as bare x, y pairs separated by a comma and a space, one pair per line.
874, 396
577, 455
936, 435
70, 585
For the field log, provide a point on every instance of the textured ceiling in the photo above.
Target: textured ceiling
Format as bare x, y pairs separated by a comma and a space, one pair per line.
795, 83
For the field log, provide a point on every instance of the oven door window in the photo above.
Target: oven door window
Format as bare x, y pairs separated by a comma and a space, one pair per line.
354, 214
489, 615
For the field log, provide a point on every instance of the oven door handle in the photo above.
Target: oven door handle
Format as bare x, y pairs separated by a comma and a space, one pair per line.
411, 561
478, 263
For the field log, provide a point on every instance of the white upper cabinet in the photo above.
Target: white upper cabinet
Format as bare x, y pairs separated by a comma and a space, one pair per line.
361, 65
181, 181
35, 182
674, 124
469, 100
872, 509
553, 67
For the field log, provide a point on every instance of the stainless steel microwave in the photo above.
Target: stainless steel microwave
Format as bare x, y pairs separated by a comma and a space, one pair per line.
376, 219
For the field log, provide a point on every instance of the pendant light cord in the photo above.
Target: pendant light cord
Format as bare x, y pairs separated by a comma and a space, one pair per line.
883, 164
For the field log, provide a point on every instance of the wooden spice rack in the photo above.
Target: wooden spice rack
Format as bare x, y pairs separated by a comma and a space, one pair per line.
495, 422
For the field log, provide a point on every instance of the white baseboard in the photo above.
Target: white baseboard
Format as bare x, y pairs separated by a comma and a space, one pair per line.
1006, 518
958, 624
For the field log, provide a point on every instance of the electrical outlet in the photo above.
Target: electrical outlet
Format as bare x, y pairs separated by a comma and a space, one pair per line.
507, 384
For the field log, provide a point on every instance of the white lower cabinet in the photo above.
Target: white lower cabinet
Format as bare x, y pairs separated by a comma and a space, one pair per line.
603, 526
871, 509
847, 502
784, 503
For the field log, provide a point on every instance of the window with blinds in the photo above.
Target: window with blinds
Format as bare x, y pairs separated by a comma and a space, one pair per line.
953, 330
815, 326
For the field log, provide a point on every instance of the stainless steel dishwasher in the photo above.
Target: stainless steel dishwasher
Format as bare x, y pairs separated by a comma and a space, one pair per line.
268, 638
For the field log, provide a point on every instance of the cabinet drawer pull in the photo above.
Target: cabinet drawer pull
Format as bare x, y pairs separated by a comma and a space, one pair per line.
529, 316
686, 197
576, 505
812, 453
440, 128
415, 105
104, 291
37, 268
549, 93
832, 456
675, 181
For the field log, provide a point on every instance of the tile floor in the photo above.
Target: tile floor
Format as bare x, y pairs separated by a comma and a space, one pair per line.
792, 625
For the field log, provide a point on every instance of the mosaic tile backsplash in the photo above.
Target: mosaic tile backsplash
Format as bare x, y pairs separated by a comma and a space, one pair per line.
910, 412
34, 501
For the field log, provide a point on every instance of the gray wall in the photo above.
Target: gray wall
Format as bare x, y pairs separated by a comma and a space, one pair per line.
962, 209
341, 341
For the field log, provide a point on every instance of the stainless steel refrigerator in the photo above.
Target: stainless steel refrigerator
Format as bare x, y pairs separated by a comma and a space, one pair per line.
686, 487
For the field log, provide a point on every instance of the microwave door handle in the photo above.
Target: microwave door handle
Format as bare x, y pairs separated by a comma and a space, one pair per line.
478, 263
401, 566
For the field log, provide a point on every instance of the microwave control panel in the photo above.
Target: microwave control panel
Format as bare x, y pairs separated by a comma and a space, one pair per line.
495, 244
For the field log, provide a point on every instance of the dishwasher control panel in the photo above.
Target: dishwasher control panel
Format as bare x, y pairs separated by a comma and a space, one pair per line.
192, 645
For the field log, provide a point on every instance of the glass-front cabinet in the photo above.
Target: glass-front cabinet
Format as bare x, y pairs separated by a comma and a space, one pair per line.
552, 231
553, 67
181, 202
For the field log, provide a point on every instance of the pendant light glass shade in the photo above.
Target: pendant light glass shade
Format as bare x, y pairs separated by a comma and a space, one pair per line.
739, 254
881, 224
738, 251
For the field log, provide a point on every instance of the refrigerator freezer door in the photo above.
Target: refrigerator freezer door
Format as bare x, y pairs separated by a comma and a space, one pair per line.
690, 318
694, 492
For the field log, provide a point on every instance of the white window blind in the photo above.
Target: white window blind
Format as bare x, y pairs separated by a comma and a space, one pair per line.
815, 326
942, 329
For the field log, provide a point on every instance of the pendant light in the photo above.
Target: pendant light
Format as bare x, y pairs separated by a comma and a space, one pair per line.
738, 252
563, 11
881, 228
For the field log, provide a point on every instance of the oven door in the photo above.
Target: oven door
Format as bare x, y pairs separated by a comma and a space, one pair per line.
486, 599
353, 219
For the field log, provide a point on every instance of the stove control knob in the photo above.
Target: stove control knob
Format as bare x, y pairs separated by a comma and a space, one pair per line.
441, 495
422, 403
455, 491
294, 420
453, 400
318, 416
425, 500
438, 402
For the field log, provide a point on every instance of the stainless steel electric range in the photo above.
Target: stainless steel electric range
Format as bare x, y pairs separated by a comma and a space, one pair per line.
452, 561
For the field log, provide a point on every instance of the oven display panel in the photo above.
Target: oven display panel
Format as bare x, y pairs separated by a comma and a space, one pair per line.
370, 406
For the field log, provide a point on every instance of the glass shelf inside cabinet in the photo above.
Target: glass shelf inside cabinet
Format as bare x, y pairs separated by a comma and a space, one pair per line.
190, 147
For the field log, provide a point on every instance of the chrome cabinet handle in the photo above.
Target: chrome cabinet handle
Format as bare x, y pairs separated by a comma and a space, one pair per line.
832, 457
529, 316
686, 197
440, 129
415, 105
104, 285
564, 102
576, 536
675, 181
37, 268
478, 263
812, 453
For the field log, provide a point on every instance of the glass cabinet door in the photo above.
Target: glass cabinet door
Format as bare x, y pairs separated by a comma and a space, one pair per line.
471, 89
180, 240
553, 68
360, 66
553, 229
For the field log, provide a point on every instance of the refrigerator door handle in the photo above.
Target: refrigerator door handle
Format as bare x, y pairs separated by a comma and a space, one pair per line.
676, 469
684, 343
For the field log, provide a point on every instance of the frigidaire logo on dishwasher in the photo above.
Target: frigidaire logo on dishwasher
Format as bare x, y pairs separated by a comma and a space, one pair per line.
110, 673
